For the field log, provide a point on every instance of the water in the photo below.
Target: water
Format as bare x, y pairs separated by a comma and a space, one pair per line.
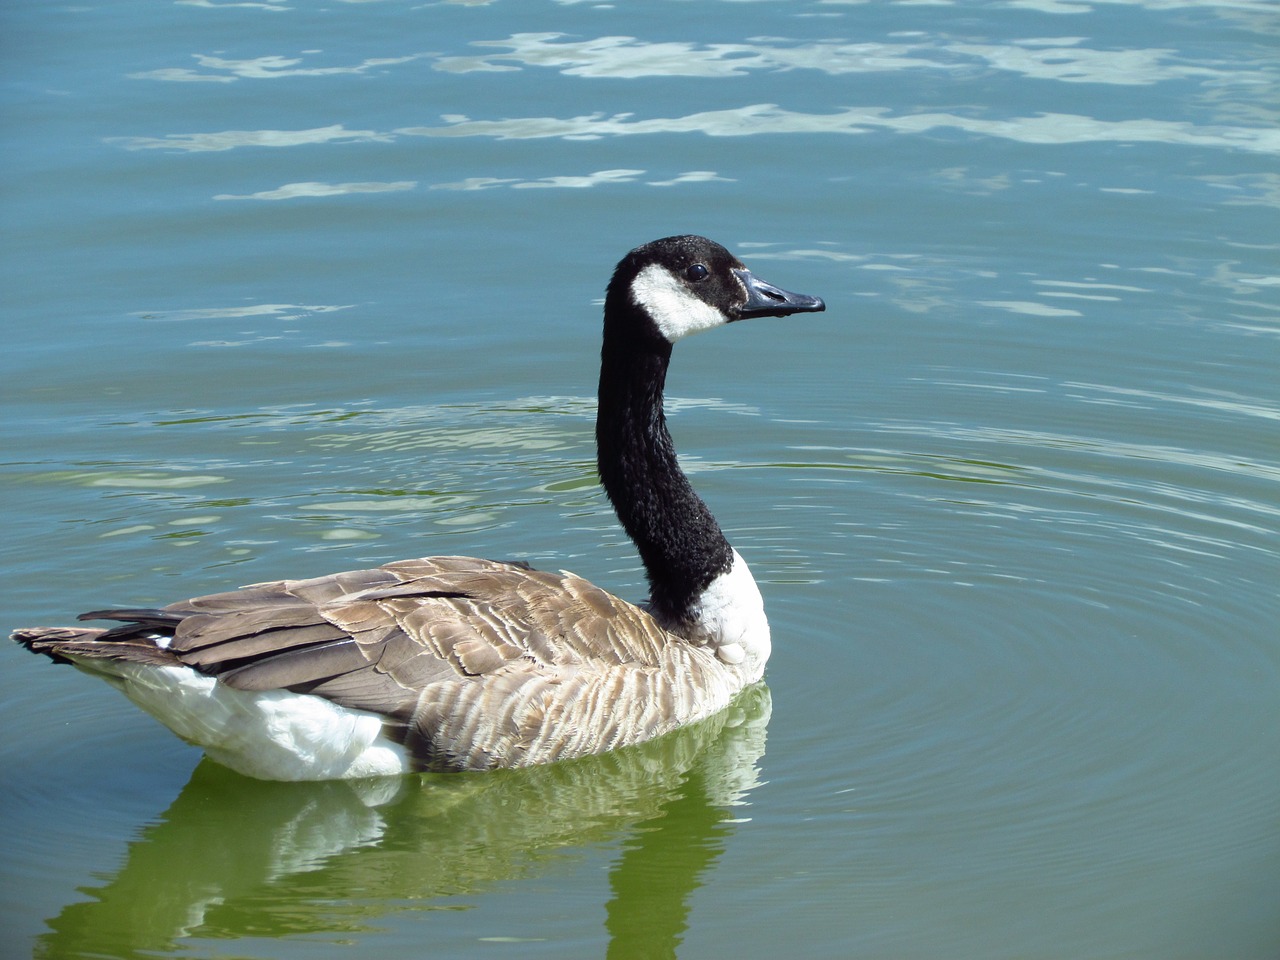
293, 288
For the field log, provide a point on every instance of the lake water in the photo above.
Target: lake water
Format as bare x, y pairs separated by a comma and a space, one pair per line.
297, 287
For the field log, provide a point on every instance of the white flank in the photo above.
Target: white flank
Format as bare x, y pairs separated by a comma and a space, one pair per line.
271, 735
731, 611
675, 309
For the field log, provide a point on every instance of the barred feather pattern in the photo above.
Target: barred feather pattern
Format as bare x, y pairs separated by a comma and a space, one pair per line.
470, 664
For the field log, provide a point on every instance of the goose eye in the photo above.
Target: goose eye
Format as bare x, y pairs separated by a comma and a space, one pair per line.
696, 272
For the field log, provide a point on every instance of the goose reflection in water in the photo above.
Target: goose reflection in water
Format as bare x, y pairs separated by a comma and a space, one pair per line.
233, 857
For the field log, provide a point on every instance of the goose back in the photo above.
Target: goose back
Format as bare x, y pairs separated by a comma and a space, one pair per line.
467, 664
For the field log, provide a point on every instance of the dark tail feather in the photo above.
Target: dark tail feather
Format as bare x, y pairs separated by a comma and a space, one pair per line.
69, 644
134, 622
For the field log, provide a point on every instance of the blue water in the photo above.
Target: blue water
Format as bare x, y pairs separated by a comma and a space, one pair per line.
294, 287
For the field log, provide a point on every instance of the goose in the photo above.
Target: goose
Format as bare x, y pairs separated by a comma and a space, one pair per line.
462, 664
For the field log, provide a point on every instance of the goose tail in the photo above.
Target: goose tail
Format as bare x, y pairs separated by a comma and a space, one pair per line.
82, 647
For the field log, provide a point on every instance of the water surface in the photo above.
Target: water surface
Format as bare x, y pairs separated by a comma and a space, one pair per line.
298, 287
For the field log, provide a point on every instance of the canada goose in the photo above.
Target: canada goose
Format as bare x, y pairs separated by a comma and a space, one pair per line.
455, 663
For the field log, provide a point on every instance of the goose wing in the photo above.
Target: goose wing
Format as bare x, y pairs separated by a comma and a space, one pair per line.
470, 662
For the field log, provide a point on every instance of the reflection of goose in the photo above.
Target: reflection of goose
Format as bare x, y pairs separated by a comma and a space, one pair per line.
455, 663
234, 860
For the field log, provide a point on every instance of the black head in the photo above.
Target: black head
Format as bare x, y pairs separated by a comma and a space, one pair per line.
687, 284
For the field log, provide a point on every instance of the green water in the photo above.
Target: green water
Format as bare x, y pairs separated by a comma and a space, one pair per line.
293, 288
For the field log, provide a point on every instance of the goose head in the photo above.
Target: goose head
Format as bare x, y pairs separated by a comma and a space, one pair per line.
686, 284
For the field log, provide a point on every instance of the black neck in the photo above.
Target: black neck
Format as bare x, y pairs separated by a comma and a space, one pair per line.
680, 543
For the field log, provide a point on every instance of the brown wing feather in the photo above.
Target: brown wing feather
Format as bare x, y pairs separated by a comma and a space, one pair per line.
475, 663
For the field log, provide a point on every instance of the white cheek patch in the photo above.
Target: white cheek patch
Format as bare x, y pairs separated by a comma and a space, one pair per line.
675, 310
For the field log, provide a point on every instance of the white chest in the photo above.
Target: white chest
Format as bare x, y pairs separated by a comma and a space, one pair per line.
730, 613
